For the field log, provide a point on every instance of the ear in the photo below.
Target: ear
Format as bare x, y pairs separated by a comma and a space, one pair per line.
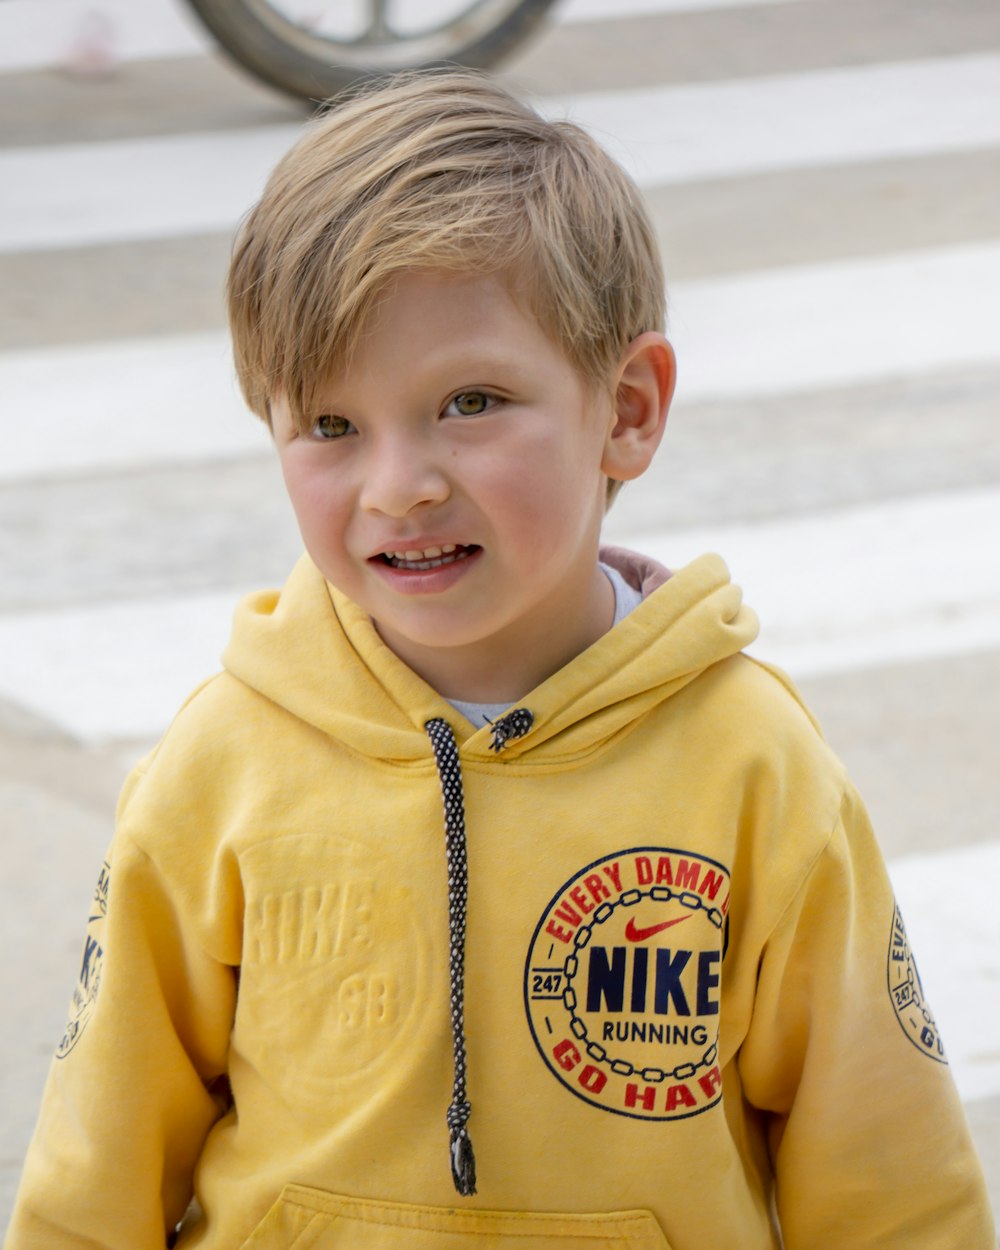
644, 387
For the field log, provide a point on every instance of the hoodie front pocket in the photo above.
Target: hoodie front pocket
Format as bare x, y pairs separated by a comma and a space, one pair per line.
310, 1219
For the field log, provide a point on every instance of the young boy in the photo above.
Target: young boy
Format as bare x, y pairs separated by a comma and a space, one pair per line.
641, 981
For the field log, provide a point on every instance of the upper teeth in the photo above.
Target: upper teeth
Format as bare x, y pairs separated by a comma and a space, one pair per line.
432, 553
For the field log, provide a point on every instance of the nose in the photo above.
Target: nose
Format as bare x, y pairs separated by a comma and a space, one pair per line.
402, 474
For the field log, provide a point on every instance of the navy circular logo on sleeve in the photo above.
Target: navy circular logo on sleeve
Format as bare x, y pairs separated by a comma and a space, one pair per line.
907, 993
91, 966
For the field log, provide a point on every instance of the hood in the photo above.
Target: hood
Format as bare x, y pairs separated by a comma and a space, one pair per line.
315, 653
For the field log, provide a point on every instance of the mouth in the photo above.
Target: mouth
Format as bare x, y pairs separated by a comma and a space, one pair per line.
428, 558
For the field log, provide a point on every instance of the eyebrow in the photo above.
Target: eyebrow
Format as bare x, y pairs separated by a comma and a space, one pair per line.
484, 361
476, 369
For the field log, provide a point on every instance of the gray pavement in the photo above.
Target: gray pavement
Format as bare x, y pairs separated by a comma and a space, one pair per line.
919, 737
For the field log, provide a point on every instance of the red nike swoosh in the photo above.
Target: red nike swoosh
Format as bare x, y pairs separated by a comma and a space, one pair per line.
639, 935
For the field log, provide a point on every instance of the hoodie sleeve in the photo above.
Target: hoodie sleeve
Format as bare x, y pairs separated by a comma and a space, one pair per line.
128, 1100
868, 1137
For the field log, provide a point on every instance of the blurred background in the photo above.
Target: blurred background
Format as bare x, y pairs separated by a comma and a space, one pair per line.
825, 179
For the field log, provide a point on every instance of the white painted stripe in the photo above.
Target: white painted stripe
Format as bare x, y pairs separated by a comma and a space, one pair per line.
845, 589
122, 404
837, 324
948, 901
610, 10
41, 33
37, 34
174, 400
835, 591
79, 194
666, 135
117, 670
70, 195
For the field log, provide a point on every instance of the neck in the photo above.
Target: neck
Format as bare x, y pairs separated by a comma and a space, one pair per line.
503, 668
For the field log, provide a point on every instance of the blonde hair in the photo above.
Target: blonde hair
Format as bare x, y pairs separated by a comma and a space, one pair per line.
445, 171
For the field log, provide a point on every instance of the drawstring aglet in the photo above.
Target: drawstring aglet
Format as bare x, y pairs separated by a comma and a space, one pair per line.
463, 1160
513, 724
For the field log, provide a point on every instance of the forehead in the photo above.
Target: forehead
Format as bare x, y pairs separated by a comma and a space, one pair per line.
430, 323
471, 305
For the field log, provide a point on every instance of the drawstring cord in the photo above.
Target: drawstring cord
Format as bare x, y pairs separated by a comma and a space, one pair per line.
514, 725
463, 1160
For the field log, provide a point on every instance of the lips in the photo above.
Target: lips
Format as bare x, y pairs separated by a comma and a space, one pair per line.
419, 560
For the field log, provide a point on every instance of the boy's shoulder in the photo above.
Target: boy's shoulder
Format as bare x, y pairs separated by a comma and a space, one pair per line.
211, 747
217, 722
762, 734
759, 703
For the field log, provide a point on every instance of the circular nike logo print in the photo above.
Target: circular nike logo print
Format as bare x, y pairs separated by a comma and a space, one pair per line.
622, 982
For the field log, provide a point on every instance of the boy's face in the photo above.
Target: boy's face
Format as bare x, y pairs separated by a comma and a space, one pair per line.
451, 484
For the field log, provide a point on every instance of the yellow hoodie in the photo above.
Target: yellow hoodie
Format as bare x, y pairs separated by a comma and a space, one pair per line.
690, 1008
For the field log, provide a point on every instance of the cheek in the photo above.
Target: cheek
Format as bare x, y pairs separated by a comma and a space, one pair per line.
315, 499
543, 515
514, 497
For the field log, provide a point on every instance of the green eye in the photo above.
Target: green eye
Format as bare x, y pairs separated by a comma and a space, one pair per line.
470, 403
331, 426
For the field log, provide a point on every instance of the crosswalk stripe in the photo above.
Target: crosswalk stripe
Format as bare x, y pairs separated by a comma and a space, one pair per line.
68, 195
797, 120
831, 325
616, 10
170, 400
37, 35
117, 670
850, 588
113, 671
73, 194
174, 400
